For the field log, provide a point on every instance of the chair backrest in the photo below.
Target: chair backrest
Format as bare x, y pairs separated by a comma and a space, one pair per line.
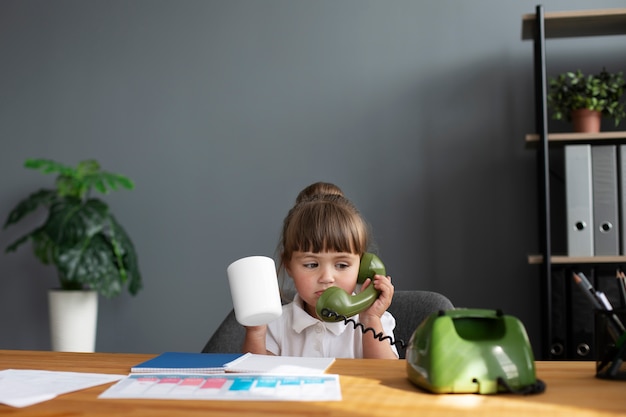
227, 338
409, 308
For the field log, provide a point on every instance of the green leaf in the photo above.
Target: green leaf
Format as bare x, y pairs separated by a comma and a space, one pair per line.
115, 180
41, 198
99, 185
92, 265
43, 246
48, 166
19, 242
125, 251
88, 167
91, 247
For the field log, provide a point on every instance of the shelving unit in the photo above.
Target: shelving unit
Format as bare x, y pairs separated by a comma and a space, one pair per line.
538, 27
569, 260
578, 137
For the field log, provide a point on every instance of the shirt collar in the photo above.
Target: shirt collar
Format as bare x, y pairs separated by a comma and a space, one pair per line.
302, 319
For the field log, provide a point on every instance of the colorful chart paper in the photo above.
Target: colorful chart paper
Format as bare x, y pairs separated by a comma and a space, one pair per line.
257, 387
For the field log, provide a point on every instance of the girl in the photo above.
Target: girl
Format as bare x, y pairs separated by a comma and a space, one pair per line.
323, 239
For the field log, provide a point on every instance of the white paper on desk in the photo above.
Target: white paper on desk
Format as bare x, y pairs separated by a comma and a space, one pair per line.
297, 365
24, 387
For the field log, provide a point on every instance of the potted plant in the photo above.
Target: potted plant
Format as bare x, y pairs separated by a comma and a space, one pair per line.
90, 250
573, 94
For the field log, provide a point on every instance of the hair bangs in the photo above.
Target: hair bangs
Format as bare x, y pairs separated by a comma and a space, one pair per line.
324, 226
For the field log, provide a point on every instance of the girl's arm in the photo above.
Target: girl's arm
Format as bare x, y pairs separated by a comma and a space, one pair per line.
372, 347
254, 341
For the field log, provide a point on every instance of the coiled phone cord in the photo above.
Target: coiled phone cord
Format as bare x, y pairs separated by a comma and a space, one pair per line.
380, 336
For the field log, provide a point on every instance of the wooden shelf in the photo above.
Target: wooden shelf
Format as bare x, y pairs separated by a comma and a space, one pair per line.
565, 260
576, 137
578, 23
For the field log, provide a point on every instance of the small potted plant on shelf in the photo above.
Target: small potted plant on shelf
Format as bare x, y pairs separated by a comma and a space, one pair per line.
90, 250
576, 97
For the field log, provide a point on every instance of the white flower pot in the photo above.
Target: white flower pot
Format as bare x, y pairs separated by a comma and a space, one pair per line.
73, 320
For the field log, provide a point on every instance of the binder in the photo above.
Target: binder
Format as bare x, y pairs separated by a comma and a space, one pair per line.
558, 344
186, 362
622, 196
582, 320
579, 198
605, 203
607, 282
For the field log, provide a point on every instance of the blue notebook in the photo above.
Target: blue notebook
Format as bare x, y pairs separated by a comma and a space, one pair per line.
186, 362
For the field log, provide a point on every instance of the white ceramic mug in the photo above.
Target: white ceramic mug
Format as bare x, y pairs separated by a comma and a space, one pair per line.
254, 289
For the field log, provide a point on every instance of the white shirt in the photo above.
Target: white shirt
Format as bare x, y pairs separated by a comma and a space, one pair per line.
296, 333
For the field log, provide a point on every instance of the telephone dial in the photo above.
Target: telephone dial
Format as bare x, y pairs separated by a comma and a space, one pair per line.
335, 304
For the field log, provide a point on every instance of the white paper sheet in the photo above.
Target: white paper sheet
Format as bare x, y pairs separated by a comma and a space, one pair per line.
24, 387
297, 365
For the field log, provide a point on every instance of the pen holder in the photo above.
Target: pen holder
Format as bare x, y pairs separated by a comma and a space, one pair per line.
610, 344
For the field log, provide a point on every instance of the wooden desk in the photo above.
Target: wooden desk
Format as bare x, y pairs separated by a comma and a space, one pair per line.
370, 388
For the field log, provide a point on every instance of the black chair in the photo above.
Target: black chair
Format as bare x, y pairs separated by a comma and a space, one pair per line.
409, 308
227, 338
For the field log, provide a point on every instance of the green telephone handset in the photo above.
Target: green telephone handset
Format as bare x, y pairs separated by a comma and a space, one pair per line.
340, 304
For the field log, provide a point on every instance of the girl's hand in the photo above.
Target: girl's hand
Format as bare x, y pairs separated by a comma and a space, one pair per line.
377, 309
372, 347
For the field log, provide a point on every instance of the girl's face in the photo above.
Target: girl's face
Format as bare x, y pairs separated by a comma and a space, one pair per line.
313, 273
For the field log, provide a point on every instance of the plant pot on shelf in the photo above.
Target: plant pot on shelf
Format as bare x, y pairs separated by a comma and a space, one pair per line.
73, 320
586, 121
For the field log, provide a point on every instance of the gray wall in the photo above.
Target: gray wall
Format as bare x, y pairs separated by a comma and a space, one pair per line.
221, 111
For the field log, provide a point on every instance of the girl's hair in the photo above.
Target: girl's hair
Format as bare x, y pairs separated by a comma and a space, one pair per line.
318, 188
322, 223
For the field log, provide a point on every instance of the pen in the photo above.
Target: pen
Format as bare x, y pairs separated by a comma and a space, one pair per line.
621, 284
615, 325
608, 307
587, 288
